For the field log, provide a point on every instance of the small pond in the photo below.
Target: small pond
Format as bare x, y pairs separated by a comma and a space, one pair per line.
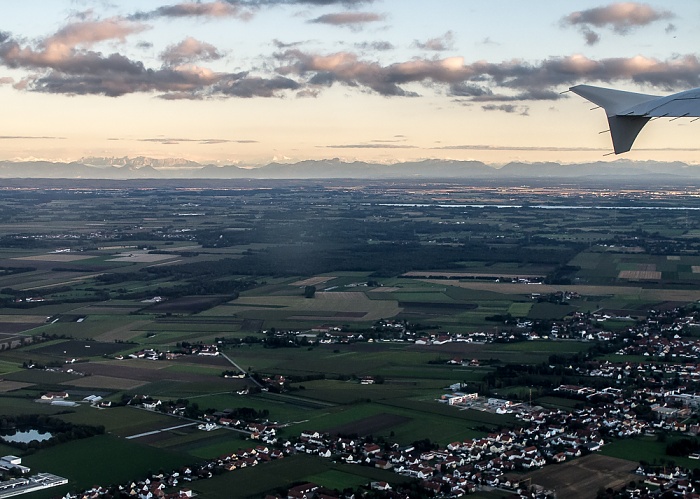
26, 436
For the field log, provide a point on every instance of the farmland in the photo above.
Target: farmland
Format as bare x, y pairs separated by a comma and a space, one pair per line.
368, 300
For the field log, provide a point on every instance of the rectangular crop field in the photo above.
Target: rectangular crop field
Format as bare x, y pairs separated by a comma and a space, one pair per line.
583, 477
83, 461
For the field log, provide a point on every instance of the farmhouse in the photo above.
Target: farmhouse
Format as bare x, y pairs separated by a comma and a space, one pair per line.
54, 396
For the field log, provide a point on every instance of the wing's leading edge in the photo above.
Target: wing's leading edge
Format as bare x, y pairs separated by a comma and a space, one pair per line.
628, 112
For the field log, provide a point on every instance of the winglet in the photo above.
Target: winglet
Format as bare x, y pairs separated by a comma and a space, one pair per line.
624, 128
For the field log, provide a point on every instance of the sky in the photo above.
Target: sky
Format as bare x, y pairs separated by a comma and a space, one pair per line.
248, 82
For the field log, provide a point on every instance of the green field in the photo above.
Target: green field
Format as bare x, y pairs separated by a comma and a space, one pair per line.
103, 459
281, 474
648, 449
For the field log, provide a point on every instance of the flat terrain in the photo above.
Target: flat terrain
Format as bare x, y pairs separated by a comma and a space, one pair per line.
390, 261
584, 477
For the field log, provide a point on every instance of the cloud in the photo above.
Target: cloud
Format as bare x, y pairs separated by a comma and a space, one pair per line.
483, 147
620, 17
464, 89
64, 64
188, 51
507, 108
488, 41
327, 2
24, 137
439, 44
514, 79
380, 46
171, 141
345, 3
205, 10
534, 94
237, 9
348, 19
254, 86
590, 36
346, 68
282, 45
66, 49
69, 61
370, 146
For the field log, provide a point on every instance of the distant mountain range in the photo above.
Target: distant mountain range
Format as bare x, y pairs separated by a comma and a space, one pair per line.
149, 168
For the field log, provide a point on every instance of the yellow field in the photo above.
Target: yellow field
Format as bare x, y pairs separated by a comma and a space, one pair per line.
313, 281
141, 257
335, 304
55, 257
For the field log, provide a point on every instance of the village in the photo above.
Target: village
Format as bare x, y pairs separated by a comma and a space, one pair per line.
624, 400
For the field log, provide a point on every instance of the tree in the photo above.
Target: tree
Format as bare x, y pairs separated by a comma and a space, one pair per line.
309, 291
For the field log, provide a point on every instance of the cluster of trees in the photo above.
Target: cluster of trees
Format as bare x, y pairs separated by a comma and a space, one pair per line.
683, 447
383, 259
61, 431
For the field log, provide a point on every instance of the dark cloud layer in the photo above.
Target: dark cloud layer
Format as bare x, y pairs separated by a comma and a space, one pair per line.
69, 62
516, 79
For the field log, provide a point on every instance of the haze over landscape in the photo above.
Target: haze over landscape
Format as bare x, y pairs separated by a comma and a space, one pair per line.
251, 82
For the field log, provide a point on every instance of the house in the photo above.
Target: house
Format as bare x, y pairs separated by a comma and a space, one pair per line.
380, 486
54, 396
303, 491
371, 449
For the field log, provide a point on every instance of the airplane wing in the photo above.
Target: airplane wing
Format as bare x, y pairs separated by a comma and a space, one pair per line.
673, 106
628, 112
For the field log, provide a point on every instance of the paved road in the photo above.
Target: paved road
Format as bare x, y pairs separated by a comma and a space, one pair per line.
158, 431
240, 369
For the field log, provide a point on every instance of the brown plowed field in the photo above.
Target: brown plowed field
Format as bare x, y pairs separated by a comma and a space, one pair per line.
640, 274
582, 478
114, 369
8, 386
313, 281
105, 382
370, 425
12, 328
